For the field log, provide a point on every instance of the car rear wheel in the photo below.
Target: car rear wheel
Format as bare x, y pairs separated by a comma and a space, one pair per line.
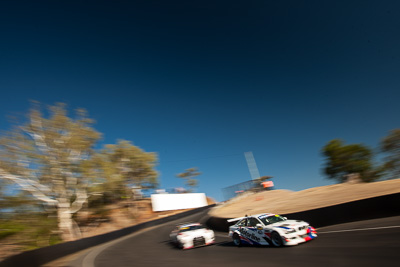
236, 240
276, 239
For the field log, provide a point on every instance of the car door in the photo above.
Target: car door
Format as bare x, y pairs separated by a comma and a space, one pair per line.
248, 231
256, 235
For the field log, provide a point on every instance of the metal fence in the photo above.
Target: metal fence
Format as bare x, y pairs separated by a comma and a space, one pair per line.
233, 190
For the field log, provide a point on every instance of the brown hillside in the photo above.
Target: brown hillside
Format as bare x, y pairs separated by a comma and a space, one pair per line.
285, 201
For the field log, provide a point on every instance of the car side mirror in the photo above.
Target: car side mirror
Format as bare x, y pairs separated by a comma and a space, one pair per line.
259, 226
285, 218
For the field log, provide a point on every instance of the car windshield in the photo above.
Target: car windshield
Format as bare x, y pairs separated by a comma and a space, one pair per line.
191, 228
271, 219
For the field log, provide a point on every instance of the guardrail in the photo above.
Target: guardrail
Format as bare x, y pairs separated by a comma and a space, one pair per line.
365, 209
44, 255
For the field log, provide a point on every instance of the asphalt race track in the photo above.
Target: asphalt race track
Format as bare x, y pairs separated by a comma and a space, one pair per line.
365, 243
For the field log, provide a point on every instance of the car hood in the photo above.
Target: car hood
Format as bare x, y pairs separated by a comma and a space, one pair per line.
198, 231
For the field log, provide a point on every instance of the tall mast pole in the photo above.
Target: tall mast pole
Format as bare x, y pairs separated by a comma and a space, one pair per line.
251, 163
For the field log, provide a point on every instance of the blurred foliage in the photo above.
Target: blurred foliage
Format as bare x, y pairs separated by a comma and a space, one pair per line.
188, 175
120, 168
31, 231
52, 157
344, 160
21, 202
390, 146
10, 227
45, 156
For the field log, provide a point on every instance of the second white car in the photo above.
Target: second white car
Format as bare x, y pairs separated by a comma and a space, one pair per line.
192, 235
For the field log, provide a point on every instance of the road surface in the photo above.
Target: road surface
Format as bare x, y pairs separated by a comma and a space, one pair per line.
365, 243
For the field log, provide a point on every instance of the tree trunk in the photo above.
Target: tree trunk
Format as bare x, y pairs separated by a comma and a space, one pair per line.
65, 221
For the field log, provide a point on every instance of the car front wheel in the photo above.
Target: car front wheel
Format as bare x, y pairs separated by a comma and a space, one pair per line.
276, 239
179, 245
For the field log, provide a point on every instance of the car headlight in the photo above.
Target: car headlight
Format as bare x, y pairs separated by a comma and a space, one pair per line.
290, 231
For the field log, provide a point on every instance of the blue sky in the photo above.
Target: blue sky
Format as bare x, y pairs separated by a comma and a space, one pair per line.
202, 82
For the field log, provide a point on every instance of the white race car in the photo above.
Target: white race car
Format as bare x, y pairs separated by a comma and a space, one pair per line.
191, 235
270, 229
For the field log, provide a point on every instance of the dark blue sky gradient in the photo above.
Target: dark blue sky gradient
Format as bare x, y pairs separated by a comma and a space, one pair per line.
195, 80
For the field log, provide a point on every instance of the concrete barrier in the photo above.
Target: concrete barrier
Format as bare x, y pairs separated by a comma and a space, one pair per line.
365, 209
41, 256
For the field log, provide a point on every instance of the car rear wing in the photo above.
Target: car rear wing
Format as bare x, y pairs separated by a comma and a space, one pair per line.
187, 223
236, 219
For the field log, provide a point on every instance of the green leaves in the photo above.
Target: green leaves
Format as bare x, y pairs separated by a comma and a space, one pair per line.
390, 146
52, 156
122, 166
189, 175
344, 160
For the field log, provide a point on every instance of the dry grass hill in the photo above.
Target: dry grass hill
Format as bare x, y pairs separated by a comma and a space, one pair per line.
285, 201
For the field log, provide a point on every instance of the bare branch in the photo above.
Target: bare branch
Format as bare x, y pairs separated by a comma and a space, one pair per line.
29, 185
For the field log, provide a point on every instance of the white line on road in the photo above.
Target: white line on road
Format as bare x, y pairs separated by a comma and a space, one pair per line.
361, 229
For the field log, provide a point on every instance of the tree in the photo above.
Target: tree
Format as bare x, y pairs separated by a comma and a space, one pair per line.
122, 167
189, 175
45, 157
390, 145
343, 161
54, 160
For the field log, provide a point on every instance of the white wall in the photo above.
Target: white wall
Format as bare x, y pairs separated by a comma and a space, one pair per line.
161, 202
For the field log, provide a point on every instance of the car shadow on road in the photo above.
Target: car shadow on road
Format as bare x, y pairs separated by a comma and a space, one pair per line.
225, 244
174, 246
170, 244
231, 244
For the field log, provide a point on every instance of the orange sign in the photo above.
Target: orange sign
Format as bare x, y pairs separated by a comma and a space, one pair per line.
267, 184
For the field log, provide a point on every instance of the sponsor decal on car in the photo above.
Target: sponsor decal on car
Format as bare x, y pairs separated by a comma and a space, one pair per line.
251, 236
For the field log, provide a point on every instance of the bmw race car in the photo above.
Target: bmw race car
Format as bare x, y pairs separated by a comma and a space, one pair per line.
191, 235
270, 229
